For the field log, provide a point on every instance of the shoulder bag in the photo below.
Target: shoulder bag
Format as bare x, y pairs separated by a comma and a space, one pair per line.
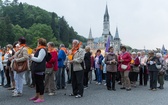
20, 66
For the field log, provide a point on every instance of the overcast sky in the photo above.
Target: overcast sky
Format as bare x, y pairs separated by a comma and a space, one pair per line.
140, 22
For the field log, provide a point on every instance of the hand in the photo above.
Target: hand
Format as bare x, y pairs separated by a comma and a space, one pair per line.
30, 56
113, 61
121, 60
10, 59
71, 62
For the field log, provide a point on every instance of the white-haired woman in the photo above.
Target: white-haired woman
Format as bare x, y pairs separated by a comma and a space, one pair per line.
134, 68
76, 58
143, 74
161, 71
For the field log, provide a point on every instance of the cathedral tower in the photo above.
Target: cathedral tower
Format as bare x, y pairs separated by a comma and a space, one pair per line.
117, 41
106, 26
90, 40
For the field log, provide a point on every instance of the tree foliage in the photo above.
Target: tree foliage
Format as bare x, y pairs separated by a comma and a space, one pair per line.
21, 19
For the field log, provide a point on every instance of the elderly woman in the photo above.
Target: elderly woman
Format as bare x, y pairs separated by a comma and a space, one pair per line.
20, 56
124, 67
76, 58
38, 68
135, 68
111, 61
87, 61
153, 70
51, 68
143, 73
161, 70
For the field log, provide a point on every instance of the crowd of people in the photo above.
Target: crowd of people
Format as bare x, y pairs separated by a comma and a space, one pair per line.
44, 68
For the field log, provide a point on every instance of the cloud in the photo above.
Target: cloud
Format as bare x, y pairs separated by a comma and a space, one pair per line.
140, 22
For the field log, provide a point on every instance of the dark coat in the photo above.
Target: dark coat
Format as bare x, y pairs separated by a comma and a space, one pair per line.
87, 59
153, 66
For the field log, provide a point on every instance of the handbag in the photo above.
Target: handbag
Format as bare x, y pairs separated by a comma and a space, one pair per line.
135, 69
158, 66
48, 70
20, 66
162, 72
124, 67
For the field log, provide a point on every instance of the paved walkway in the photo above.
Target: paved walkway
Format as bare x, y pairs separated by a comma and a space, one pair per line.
94, 95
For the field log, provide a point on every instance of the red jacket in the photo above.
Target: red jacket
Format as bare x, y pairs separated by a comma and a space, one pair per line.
127, 59
137, 62
53, 61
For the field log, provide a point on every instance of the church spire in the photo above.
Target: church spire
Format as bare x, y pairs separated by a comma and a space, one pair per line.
106, 15
90, 34
116, 34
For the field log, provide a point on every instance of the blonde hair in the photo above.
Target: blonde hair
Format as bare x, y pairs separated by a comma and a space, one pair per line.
87, 48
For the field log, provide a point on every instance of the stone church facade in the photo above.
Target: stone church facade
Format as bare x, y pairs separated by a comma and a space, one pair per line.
100, 43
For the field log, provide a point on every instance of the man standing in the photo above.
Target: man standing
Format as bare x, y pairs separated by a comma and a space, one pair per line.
61, 67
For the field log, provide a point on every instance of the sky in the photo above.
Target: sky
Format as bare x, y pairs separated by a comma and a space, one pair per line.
141, 23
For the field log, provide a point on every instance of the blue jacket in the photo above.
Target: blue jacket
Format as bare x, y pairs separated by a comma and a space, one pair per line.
61, 58
100, 59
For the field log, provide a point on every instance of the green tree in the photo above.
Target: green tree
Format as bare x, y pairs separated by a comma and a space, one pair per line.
17, 19
3, 36
7, 2
18, 32
54, 26
40, 30
8, 30
15, 2
63, 30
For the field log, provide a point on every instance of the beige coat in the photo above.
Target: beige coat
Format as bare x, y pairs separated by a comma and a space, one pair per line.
111, 67
22, 55
78, 58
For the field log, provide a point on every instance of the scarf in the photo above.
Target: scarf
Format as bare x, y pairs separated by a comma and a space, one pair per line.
52, 50
64, 49
40, 47
73, 51
22, 45
76, 48
133, 60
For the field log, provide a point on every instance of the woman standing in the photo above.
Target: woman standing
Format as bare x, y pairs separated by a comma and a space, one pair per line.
87, 60
8, 53
135, 68
98, 62
143, 74
51, 68
161, 70
124, 67
38, 67
20, 56
111, 67
76, 58
153, 70
104, 69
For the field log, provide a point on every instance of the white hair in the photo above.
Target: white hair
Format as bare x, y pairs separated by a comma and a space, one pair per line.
75, 40
158, 54
133, 53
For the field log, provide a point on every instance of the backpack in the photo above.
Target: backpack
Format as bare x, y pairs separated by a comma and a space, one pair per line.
48, 57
